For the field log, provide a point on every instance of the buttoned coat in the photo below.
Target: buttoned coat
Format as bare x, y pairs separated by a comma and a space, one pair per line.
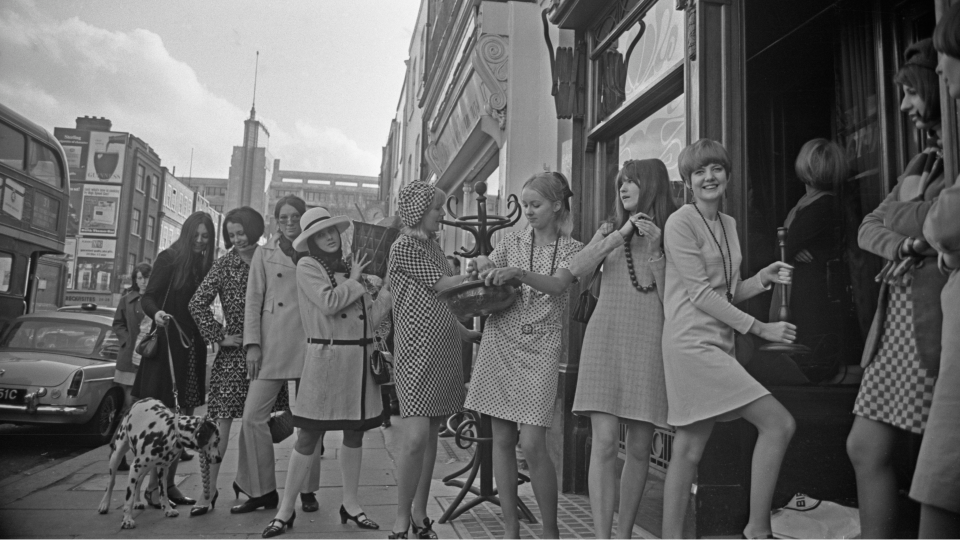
126, 324
336, 387
272, 314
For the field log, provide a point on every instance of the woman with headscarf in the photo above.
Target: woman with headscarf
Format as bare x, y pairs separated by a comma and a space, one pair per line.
275, 346
429, 372
901, 355
176, 275
337, 391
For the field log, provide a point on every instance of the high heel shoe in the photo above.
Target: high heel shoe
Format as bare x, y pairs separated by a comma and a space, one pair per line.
157, 505
269, 501
308, 502
237, 491
365, 523
272, 530
201, 510
426, 531
179, 499
395, 535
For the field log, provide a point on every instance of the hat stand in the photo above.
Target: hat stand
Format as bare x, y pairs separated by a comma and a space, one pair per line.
783, 315
472, 427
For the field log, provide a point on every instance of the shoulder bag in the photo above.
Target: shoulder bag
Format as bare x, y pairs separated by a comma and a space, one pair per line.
587, 301
148, 345
381, 361
281, 426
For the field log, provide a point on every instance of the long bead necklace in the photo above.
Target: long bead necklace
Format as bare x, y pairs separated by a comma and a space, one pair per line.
726, 277
330, 273
633, 274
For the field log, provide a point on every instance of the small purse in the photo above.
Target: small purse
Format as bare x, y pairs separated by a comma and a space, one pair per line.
149, 344
587, 301
381, 361
281, 426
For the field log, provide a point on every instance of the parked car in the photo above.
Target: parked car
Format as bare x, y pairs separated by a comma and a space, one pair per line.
89, 307
57, 368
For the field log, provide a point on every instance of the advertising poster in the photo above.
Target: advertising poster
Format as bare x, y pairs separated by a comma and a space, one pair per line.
76, 205
94, 268
105, 157
13, 194
70, 249
96, 248
100, 211
75, 144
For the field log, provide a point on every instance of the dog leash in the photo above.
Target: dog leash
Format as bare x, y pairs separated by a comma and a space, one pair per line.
186, 342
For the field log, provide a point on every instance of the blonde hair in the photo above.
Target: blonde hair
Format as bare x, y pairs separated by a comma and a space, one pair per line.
417, 231
821, 164
554, 187
699, 154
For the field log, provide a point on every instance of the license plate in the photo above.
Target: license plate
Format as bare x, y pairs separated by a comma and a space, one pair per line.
12, 395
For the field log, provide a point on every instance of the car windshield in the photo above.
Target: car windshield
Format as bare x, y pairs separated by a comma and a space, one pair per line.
53, 335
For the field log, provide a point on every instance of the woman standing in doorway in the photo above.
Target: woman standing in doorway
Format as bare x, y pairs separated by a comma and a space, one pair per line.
176, 275
275, 346
705, 382
621, 363
515, 378
902, 350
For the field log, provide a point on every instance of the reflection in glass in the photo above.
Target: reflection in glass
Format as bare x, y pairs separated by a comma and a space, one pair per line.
661, 135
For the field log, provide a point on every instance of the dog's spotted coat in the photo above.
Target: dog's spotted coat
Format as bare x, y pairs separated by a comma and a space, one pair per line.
150, 431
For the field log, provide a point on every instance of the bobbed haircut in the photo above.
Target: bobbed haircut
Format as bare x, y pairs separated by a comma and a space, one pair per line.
291, 200
554, 187
246, 217
656, 198
821, 164
946, 38
700, 154
922, 79
417, 231
144, 268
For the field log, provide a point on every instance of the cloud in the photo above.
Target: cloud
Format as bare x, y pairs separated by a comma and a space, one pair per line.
55, 70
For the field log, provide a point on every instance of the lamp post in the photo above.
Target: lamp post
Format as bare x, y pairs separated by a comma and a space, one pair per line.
471, 427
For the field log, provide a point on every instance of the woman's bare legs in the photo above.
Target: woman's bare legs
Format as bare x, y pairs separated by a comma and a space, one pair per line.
601, 477
505, 473
938, 523
416, 456
870, 447
633, 479
776, 428
688, 448
543, 476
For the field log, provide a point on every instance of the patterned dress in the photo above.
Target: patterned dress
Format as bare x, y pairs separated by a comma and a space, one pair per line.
428, 370
515, 377
228, 378
896, 389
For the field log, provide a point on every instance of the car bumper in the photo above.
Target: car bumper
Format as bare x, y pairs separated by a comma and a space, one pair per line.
65, 410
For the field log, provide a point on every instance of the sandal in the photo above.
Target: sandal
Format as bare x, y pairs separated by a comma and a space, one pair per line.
364, 523
426, 531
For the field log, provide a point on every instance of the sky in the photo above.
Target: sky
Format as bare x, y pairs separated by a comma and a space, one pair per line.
179, 74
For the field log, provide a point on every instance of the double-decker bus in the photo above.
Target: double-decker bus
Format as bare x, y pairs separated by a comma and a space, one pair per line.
34, 202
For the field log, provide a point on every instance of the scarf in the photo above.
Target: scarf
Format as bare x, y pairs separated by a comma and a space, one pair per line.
286, 246
334, 261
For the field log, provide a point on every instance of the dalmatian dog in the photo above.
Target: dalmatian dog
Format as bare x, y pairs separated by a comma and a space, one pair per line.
154, 435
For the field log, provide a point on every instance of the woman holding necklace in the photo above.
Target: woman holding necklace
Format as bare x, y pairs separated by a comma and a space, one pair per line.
515, 378
705, 383
621, 364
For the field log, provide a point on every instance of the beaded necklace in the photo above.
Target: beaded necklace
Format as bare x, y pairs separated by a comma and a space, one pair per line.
726, 278
633, 274
330, 274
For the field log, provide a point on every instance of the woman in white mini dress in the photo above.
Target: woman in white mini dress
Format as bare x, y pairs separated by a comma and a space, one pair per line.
515, 377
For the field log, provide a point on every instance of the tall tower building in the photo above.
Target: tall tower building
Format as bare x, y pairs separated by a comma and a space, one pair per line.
251, 167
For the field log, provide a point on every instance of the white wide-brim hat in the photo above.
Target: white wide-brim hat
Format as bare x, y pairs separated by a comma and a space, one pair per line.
315, 220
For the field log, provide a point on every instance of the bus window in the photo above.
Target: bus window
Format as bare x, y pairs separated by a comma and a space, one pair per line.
6, 269
44, 165
12, 144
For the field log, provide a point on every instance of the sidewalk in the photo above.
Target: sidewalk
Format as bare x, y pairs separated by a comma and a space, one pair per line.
62, 501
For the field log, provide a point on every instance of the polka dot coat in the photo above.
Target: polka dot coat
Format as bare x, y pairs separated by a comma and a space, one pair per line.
515, 376
427, 365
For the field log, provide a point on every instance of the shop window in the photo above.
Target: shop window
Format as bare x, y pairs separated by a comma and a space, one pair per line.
661, 135
13, 146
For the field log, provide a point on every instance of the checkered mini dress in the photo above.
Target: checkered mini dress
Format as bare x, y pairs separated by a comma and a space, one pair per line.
895, 389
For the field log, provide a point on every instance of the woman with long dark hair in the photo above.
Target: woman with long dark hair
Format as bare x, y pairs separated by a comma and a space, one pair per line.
176, 275
901, 356
275, 345
621, 363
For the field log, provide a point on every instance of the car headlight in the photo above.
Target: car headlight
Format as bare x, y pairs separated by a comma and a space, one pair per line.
55, 393
74, 389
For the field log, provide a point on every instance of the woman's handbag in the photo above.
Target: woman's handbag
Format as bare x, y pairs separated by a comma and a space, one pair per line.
587, 301
281, 426
149, 344
381, 361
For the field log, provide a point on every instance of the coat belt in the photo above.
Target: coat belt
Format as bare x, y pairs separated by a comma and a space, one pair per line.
359, 342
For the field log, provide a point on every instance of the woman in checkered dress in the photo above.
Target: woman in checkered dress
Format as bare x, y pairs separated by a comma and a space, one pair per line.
902, 352
515, 378
427, 341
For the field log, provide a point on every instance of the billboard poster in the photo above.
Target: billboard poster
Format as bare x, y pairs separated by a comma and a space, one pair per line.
75, 144
13, 194
70, 249
96, 248
100, 211
76, 206
105, 157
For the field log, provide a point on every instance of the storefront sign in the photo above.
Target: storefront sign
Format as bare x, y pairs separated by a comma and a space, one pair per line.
96, 248
77, 298
101, 210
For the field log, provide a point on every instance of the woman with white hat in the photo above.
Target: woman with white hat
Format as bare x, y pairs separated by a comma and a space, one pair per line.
339, 315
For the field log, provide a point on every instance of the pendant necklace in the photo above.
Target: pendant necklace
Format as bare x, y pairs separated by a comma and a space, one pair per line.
726, 277
553, 262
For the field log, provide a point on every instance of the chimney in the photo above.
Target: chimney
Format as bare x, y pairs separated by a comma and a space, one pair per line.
92, 123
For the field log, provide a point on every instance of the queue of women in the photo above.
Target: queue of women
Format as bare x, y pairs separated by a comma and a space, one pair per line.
658, 350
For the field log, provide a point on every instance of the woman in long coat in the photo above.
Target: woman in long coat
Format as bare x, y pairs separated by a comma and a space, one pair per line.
275, 345
337, 392
176, 275
126, 324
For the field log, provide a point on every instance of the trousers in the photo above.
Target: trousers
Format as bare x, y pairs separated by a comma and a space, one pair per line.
256, 471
